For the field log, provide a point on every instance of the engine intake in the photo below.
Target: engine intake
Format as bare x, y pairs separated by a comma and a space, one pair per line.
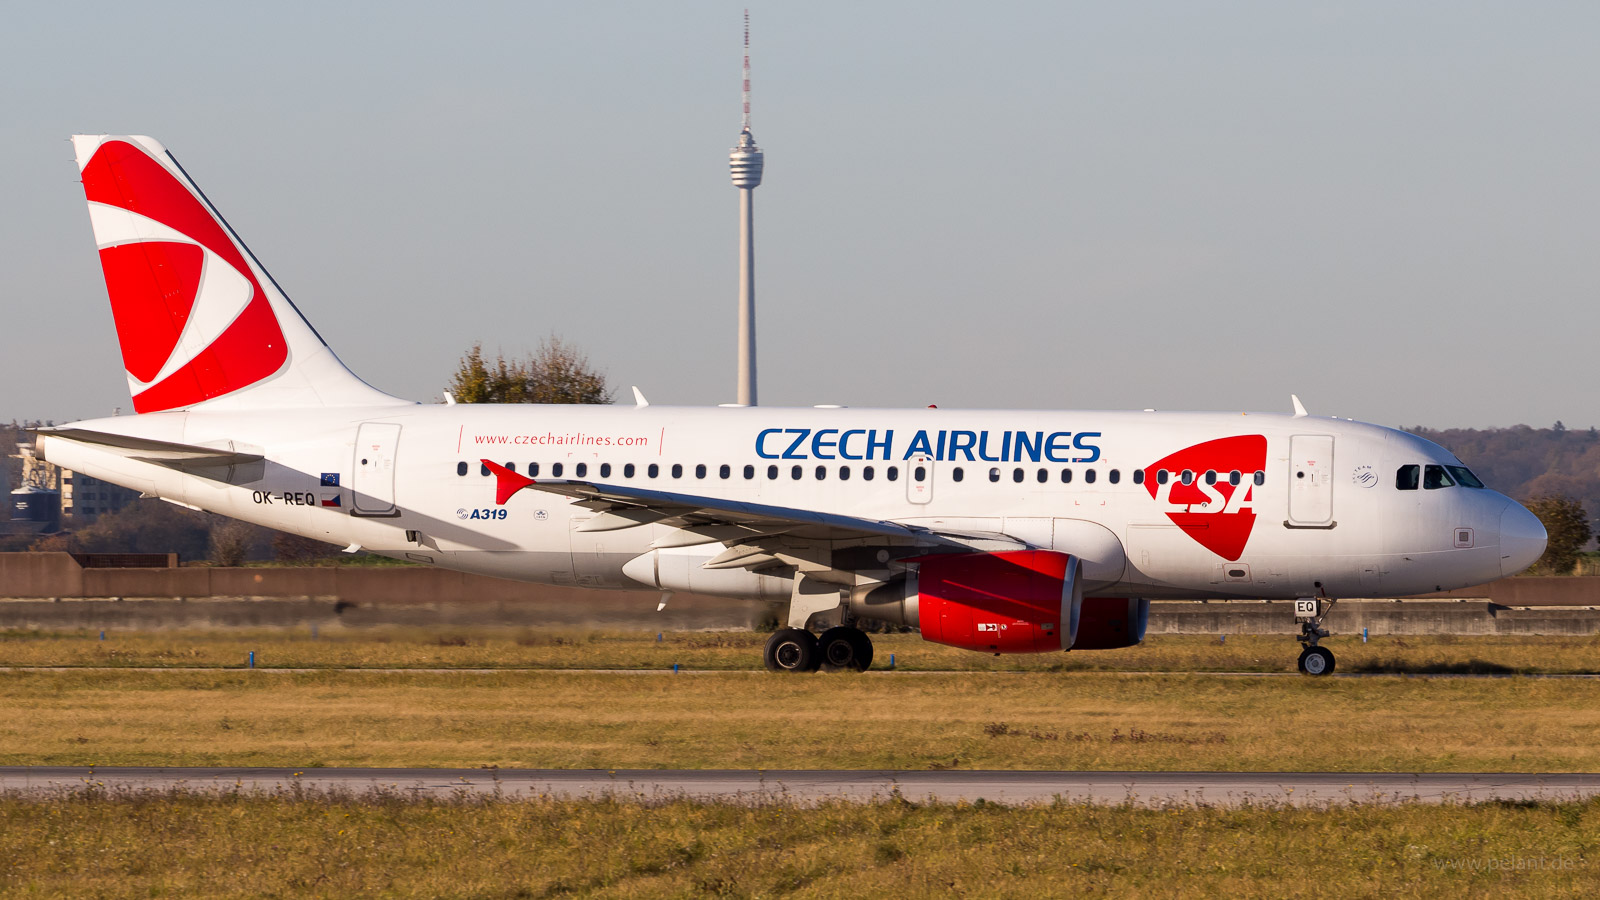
1109, 623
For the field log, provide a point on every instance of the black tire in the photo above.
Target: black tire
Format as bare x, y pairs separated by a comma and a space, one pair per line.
844, 649
1300, 664
1317, 661
791, 650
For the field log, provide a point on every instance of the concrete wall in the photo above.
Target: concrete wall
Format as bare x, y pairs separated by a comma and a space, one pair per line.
53, 590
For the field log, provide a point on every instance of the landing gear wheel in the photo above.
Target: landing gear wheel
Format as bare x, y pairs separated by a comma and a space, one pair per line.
791, 650
845, 649
1316, 661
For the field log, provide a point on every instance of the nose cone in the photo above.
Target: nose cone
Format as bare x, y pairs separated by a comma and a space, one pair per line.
1522, 539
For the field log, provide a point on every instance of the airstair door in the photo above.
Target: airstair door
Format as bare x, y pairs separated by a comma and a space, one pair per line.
372, 487
1311, 480
919, 478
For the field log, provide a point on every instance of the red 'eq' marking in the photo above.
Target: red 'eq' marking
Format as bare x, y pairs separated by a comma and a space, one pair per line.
1219, 516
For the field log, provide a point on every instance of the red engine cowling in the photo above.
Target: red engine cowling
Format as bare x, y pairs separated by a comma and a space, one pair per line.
1108, 623
1021, 601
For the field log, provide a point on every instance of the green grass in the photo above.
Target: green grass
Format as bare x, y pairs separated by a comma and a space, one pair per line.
487, 647
1038, 720
91, 844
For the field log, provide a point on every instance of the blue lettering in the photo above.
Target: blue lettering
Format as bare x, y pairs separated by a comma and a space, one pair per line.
761, 442
844, 444
799, 437
1079, 444
1005, 445
939, 451
1057, 445
983, 448
818, 444
962, 442
873, 444
919, 444
1029, 449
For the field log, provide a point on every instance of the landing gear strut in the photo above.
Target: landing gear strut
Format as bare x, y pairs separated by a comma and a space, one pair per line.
1309, 612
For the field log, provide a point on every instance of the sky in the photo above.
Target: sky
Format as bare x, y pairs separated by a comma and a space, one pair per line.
1390, 209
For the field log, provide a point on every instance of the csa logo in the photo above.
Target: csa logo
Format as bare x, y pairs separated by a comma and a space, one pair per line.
1210, 508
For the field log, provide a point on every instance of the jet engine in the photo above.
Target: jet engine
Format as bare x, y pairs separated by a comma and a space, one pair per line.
1018, 601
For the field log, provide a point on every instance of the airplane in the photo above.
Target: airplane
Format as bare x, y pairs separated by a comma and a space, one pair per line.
998, 531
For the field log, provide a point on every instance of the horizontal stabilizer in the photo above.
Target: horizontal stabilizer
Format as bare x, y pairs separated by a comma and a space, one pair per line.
231, 463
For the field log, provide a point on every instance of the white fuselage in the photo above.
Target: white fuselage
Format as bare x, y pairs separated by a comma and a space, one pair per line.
1326, 516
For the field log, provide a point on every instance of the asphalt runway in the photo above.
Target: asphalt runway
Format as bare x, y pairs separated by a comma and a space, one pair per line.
809, 787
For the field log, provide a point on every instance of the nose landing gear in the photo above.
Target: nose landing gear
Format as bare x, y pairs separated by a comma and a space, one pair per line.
1309, 612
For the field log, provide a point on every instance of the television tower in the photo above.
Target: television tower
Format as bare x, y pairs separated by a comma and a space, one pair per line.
745, 162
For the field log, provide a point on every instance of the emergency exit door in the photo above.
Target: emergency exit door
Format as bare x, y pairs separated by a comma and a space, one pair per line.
1311, 480
372, 484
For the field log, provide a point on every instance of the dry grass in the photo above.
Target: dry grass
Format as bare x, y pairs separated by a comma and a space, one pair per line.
184, 845
568, 649
739, 720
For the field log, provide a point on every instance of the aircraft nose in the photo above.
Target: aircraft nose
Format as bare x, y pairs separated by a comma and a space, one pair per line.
1522, 539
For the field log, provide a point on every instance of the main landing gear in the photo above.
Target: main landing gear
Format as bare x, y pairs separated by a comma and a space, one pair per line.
840, 649
1309, 612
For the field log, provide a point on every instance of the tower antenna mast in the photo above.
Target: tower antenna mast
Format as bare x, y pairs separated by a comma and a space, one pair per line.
745, 163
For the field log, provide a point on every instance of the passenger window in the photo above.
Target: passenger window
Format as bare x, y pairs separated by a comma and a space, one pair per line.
866, 473
1434, 477
957, 474
1260, 478
605, 470
797, 473
822, 472
1138, 476
1233, 477
1211, 476
1163, 476
1114, 476
533, 470
581, 469
483, 468
772, 473
555, 470
1043, 476
1016, 475
749, 472
844, 473
653, 471
1464, 476
920, 473
892, 473
700, 470
1088, 476
1066, 476
1406, 478
725, 471
677, 470
628, 470
461, 467
994, 474
1187, 477
511, 467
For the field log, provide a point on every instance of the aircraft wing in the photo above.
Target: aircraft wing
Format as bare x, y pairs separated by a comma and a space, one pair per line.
753, 532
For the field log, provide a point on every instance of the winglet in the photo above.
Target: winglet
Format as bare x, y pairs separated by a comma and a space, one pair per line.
638, 398
506, 482
1299, 408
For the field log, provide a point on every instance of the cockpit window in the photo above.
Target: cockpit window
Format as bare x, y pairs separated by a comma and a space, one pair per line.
1435, 477
1464, 476
1407, 477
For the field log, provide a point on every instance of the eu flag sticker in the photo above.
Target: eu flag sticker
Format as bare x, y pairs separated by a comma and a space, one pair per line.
330, 479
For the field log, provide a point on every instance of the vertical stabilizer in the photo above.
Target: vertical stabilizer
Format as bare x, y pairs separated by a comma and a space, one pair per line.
199, 320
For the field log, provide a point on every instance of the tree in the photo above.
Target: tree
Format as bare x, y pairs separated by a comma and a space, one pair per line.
556, 372
230, 542
1567, 525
